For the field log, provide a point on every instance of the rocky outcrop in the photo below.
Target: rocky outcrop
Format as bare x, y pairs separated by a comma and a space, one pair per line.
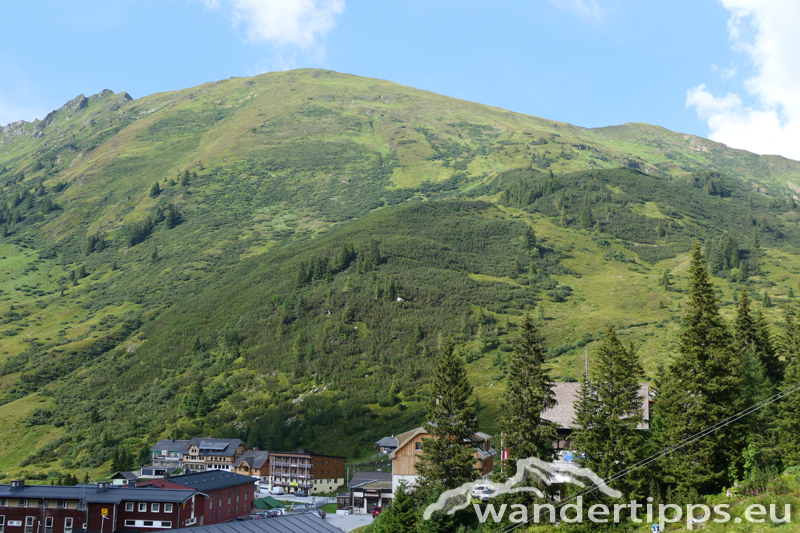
70, 109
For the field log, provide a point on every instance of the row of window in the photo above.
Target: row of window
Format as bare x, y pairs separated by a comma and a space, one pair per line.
149, 523
142, 508
40, 502
29, 522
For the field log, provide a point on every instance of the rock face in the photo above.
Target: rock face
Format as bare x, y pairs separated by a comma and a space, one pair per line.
66, 111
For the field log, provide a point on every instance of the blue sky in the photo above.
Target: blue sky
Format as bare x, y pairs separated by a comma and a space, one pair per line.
728, 69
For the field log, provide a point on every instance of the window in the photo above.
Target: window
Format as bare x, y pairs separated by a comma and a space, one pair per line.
3, 502
48, 524
68, 524
245, 494
168, 508
61, 504
155, 507
166, 524
22, 503
219, 514
210, 502
229, 497
2, 521
40, 503
142, 507
29, 524
229, 511
237, 495
219, 500
82, 506
418, 446
148, 523
129, 506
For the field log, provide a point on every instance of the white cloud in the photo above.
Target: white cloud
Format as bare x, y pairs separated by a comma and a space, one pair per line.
299, 24
585, 8
767, 119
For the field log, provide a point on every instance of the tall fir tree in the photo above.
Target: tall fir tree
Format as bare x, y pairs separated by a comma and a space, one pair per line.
447, 460
529, 392
609, 414
701, 388
789, 420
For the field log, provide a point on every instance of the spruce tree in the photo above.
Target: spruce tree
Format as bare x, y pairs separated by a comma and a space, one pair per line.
700, 388
609, 414
529, 392
789, 420
447, 460
155, 190
767, 352
401, 516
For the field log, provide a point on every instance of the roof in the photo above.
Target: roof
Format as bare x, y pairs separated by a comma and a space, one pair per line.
563, 414
218, 447
302, 523
253, 458
140, 494
387, 442
55, 492
210, 480
268, 502
170, 445
130, 476
404, 438
363, 478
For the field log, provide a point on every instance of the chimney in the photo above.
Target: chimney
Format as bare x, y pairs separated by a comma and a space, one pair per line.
18, 484
102, 486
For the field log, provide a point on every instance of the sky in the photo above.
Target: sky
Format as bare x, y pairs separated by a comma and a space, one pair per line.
728, 70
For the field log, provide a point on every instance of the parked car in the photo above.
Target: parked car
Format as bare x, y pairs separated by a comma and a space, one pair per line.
376, 511
487, 495
302, 493
278, 491
477, 491
319, 512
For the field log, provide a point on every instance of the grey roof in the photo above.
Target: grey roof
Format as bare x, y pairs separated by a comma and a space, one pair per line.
127, 475
361, 477
54, 492
140, 494
303, 523
387, 442
563, 414
253, 458
210, 480
219, 447
170, 445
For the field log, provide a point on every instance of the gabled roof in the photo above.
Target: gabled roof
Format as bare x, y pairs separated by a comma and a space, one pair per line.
405, 438
170, 445
563, 414
217, 447
126, 475
387, 442
268, 502
253, 459
207, 481
301, 523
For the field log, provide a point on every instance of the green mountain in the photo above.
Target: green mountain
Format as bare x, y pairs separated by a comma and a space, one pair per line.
277, 258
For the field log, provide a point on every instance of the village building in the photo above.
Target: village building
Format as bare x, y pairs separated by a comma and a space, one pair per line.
366, 491
226, 495
409, 449
563, 414
206, 453
307, 470
253, 463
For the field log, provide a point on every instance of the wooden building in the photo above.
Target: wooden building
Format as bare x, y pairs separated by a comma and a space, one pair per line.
409, 449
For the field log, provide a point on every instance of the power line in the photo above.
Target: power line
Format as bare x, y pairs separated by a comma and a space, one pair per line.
675, 447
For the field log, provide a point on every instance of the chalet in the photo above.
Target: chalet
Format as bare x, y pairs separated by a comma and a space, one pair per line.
253, 463
168, 453
366, 491
405, 456
226, 495
212, 454
386, 445
563, 414
124, 478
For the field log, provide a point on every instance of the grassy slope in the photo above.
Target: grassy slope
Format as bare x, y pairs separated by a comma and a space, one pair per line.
112, 163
